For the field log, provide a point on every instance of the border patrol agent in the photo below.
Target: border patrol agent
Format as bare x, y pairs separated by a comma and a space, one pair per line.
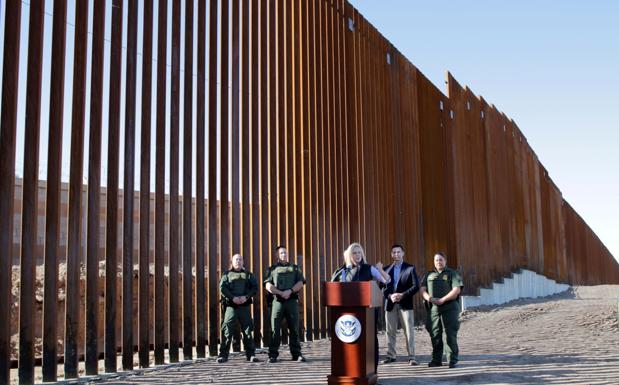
237, 287
284, 281
441, 289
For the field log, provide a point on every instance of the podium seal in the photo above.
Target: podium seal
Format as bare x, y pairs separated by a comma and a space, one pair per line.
348, 328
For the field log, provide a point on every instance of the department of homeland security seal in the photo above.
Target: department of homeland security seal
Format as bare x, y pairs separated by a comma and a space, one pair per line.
348, 328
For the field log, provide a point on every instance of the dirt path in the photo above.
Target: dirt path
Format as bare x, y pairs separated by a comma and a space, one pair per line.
571, 338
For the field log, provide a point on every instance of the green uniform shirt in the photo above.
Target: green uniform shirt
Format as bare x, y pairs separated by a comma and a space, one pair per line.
284, 276
439, 284
237, 284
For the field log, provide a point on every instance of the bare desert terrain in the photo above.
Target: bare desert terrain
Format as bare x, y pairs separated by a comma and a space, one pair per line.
569, 338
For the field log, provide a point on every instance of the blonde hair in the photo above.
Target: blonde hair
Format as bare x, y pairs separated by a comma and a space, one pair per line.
348, 253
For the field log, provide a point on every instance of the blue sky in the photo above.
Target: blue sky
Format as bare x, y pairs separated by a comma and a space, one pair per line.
549, 65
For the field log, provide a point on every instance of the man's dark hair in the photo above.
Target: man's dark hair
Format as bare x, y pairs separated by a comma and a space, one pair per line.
397, 245
276, 249
441, 253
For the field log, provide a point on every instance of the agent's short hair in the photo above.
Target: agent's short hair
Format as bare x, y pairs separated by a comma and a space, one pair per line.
397, 245
276, 249
441, 253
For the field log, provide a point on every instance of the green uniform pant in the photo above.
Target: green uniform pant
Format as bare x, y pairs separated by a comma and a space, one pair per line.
289, 310
243, 314
437, 323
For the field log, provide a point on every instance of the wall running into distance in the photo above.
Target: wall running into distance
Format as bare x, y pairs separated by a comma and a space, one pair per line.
298, 115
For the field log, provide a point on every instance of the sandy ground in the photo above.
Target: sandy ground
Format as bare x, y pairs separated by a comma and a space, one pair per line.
570, 338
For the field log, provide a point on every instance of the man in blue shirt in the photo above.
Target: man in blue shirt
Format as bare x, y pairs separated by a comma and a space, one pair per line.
398, 294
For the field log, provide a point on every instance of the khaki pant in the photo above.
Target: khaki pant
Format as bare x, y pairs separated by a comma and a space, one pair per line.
407, 318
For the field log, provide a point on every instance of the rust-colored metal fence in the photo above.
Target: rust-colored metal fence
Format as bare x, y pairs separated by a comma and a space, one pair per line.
287, 122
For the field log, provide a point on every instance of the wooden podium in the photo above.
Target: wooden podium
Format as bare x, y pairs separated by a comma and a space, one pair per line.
351, 306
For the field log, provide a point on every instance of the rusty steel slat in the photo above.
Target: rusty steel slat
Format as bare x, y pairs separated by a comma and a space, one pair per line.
300, 225
8, 124
297, 150
188, 319
325, 231
280, 124
255, 139
370, 139
345, 125
235, 148
334, 127
225, 238
391, 218
284, 185
74, 232
326, 129
293, 151
304, 205
388, 157
159, 293
94, 206
371, 163
144, 319
272, 150
415, 245
375, 116
381, 137
469, 187
288, 193
352, 131
111, 238
324, 268
52, 225
174, 229
364, 128
396, 103
491, 229
245, 233
327, 55
128, 188
333, 218
29, 197
360, 86
311, 177
213, 307
262, 319
201, 297
378, 65
341, 151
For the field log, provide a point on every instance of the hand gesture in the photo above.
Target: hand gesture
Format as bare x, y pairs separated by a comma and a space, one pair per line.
379, 265
396, 297
286, 294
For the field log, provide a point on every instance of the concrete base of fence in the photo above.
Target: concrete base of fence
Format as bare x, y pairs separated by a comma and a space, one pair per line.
523, 284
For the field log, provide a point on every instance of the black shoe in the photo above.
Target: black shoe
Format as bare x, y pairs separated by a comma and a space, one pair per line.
299, 359
253, 359
388, 360
221, 360
433, 364
272, 360
452, 365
